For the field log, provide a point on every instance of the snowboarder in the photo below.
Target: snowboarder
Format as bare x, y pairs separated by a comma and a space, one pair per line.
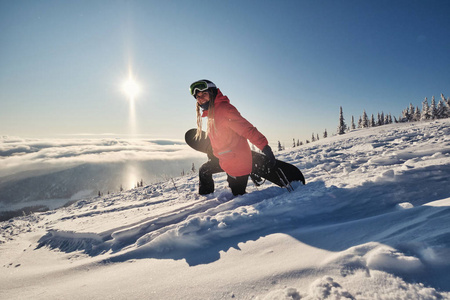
228, 132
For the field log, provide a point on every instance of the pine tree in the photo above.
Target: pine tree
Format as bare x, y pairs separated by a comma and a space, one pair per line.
325, 134
280, 148
411, 113
405, 116
386, 119
433, 109
317, 137
353, 123
446, 101
417, 115
442, 110
372, 121
425, 110
313, 138
447, 105
365, 120
342, 126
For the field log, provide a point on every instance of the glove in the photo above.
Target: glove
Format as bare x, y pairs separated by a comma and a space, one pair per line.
269, 154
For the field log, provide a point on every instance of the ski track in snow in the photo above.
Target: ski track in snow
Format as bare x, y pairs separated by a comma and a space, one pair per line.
368, 199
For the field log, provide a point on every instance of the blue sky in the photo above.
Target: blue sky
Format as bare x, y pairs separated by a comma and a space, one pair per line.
286, 65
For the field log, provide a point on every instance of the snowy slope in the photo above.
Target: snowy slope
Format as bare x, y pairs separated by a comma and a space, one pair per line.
372, 223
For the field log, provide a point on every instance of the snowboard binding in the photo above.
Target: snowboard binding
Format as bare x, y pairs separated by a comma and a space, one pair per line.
257, 180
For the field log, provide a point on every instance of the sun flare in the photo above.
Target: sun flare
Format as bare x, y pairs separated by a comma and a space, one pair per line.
131, 88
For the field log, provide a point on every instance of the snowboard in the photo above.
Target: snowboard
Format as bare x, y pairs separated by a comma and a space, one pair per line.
282, 174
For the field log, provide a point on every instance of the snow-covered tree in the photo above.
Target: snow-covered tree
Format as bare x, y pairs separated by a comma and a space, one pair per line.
353, 127
446, 101
313, 138
442, 110
417, 114
372, 121
325, 134
365, 120
425, 110
405, 116
411, 113
342, 126
433, 109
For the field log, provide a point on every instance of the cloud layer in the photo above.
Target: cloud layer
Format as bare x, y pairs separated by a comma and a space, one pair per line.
20, 155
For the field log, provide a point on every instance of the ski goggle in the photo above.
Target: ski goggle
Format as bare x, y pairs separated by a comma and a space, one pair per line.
200, 86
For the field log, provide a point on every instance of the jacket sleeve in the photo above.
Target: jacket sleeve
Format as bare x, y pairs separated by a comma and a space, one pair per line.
244, 128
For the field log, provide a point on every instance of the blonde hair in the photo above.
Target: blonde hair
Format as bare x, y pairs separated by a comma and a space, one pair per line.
211, 123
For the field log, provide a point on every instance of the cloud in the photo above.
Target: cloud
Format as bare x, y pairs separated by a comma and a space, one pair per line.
19, 155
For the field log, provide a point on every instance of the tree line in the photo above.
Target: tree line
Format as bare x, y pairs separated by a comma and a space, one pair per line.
431, 111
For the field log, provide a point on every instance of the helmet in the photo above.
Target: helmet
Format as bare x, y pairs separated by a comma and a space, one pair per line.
201, 86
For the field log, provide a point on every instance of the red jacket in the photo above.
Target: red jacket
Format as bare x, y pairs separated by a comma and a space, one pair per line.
230, 135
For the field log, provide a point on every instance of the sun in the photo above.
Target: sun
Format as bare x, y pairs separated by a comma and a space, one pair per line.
131, 88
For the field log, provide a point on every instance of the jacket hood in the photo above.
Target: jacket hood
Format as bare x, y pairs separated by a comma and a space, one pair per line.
220, 98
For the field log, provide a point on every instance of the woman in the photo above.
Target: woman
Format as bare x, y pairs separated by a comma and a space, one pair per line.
228, 132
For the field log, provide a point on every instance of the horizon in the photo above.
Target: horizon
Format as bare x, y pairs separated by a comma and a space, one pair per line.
28, 166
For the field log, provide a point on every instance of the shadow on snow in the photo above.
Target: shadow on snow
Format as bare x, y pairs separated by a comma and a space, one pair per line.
330, 218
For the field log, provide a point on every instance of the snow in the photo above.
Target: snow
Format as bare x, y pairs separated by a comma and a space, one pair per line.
372, 222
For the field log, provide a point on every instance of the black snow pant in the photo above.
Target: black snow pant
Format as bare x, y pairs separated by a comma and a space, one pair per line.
206, 184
